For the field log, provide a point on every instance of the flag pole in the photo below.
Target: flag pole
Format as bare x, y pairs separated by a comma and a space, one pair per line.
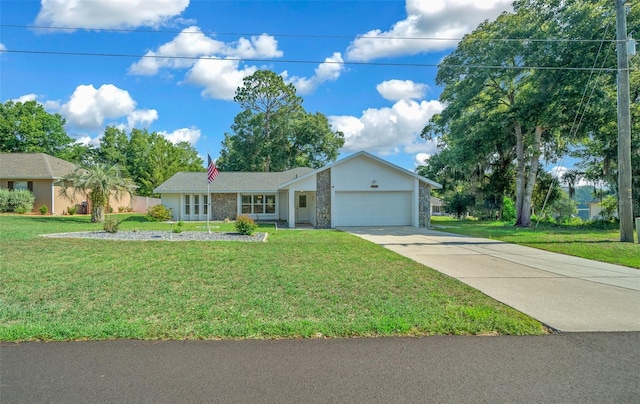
208, 191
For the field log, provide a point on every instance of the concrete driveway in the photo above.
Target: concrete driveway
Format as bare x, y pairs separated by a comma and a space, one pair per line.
565, 293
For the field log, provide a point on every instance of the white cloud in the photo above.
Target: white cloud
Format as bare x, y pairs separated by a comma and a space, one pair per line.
96, 14
388, 130
329, 70
558, 172
220, 77
190, 43
262, 46
396, 90
421, 158
425, 19
141, 118
88, 108
25, 98
2, 47
184, 50
190, 135
48, 105
89, 141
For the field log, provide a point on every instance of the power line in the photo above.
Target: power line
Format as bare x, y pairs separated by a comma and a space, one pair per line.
313, 36
237, 59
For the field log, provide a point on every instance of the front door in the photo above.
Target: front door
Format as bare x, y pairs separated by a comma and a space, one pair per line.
302, 209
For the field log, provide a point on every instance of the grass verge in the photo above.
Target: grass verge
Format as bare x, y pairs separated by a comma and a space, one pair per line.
299, 284
597, 241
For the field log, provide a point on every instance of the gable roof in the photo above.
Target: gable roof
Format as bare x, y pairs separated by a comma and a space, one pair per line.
433, 184
229, 181
33, 166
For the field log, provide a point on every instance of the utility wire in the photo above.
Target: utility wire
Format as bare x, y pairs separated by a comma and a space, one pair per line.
314, 36
404, 64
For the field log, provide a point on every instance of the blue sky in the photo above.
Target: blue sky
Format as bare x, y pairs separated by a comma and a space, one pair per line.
357, 62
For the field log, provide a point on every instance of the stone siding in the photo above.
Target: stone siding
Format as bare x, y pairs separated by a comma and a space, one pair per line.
424, 205
224, 206
323, 199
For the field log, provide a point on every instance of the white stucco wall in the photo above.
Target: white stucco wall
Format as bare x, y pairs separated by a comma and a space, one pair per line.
359, 174
172, 201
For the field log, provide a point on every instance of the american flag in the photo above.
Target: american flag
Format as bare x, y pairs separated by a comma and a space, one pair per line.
212, 170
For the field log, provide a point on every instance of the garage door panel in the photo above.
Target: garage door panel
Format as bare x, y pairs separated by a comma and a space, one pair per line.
372, 209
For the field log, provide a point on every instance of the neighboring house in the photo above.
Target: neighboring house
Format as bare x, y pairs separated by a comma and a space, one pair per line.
595, 210
359, 190
38, 173
436, 206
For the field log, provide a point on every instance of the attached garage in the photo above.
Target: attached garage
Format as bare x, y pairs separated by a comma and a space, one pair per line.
373, 208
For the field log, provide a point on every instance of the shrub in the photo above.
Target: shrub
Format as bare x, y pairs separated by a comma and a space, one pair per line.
111, 224
508, 209
21, 201
4, 199
124, 209
159, 213
72, 210
245, 225
43, 210
178, 228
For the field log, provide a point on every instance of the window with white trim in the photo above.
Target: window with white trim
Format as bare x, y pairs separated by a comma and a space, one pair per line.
187, 204
258, 204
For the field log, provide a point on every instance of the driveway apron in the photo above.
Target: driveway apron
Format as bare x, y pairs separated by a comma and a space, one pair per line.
563, 292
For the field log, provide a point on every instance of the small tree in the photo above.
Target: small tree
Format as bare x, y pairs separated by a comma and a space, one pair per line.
609, 206
100, 182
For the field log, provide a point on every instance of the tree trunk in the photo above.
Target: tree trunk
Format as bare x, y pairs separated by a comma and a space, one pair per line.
520, 172
97, 207
97, 214
524, 216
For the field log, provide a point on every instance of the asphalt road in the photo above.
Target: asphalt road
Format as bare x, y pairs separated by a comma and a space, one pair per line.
567, 368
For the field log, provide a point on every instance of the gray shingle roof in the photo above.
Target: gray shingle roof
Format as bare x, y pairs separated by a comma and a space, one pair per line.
229, 181
33, 166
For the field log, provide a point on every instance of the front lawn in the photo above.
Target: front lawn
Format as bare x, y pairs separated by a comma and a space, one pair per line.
300, 283
598, 241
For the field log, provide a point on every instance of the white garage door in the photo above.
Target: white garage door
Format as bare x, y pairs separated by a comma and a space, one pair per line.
372, 209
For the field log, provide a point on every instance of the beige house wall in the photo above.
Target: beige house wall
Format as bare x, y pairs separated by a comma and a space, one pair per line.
47, 194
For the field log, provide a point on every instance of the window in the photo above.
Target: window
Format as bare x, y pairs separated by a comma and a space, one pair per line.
258, 204
246, 204
270, 204
302, 201
20, 185
196, 204
205, 204
187, 204
436, 209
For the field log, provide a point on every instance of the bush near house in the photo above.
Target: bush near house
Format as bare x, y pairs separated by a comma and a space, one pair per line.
159, 213
245, 225
18, 201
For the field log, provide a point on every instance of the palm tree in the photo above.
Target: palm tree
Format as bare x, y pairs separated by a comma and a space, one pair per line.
99, 181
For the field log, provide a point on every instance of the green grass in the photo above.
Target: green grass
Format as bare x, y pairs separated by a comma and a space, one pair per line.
300, 284
597, 241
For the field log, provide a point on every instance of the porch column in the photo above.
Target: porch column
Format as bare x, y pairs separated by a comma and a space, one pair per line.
292, 209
